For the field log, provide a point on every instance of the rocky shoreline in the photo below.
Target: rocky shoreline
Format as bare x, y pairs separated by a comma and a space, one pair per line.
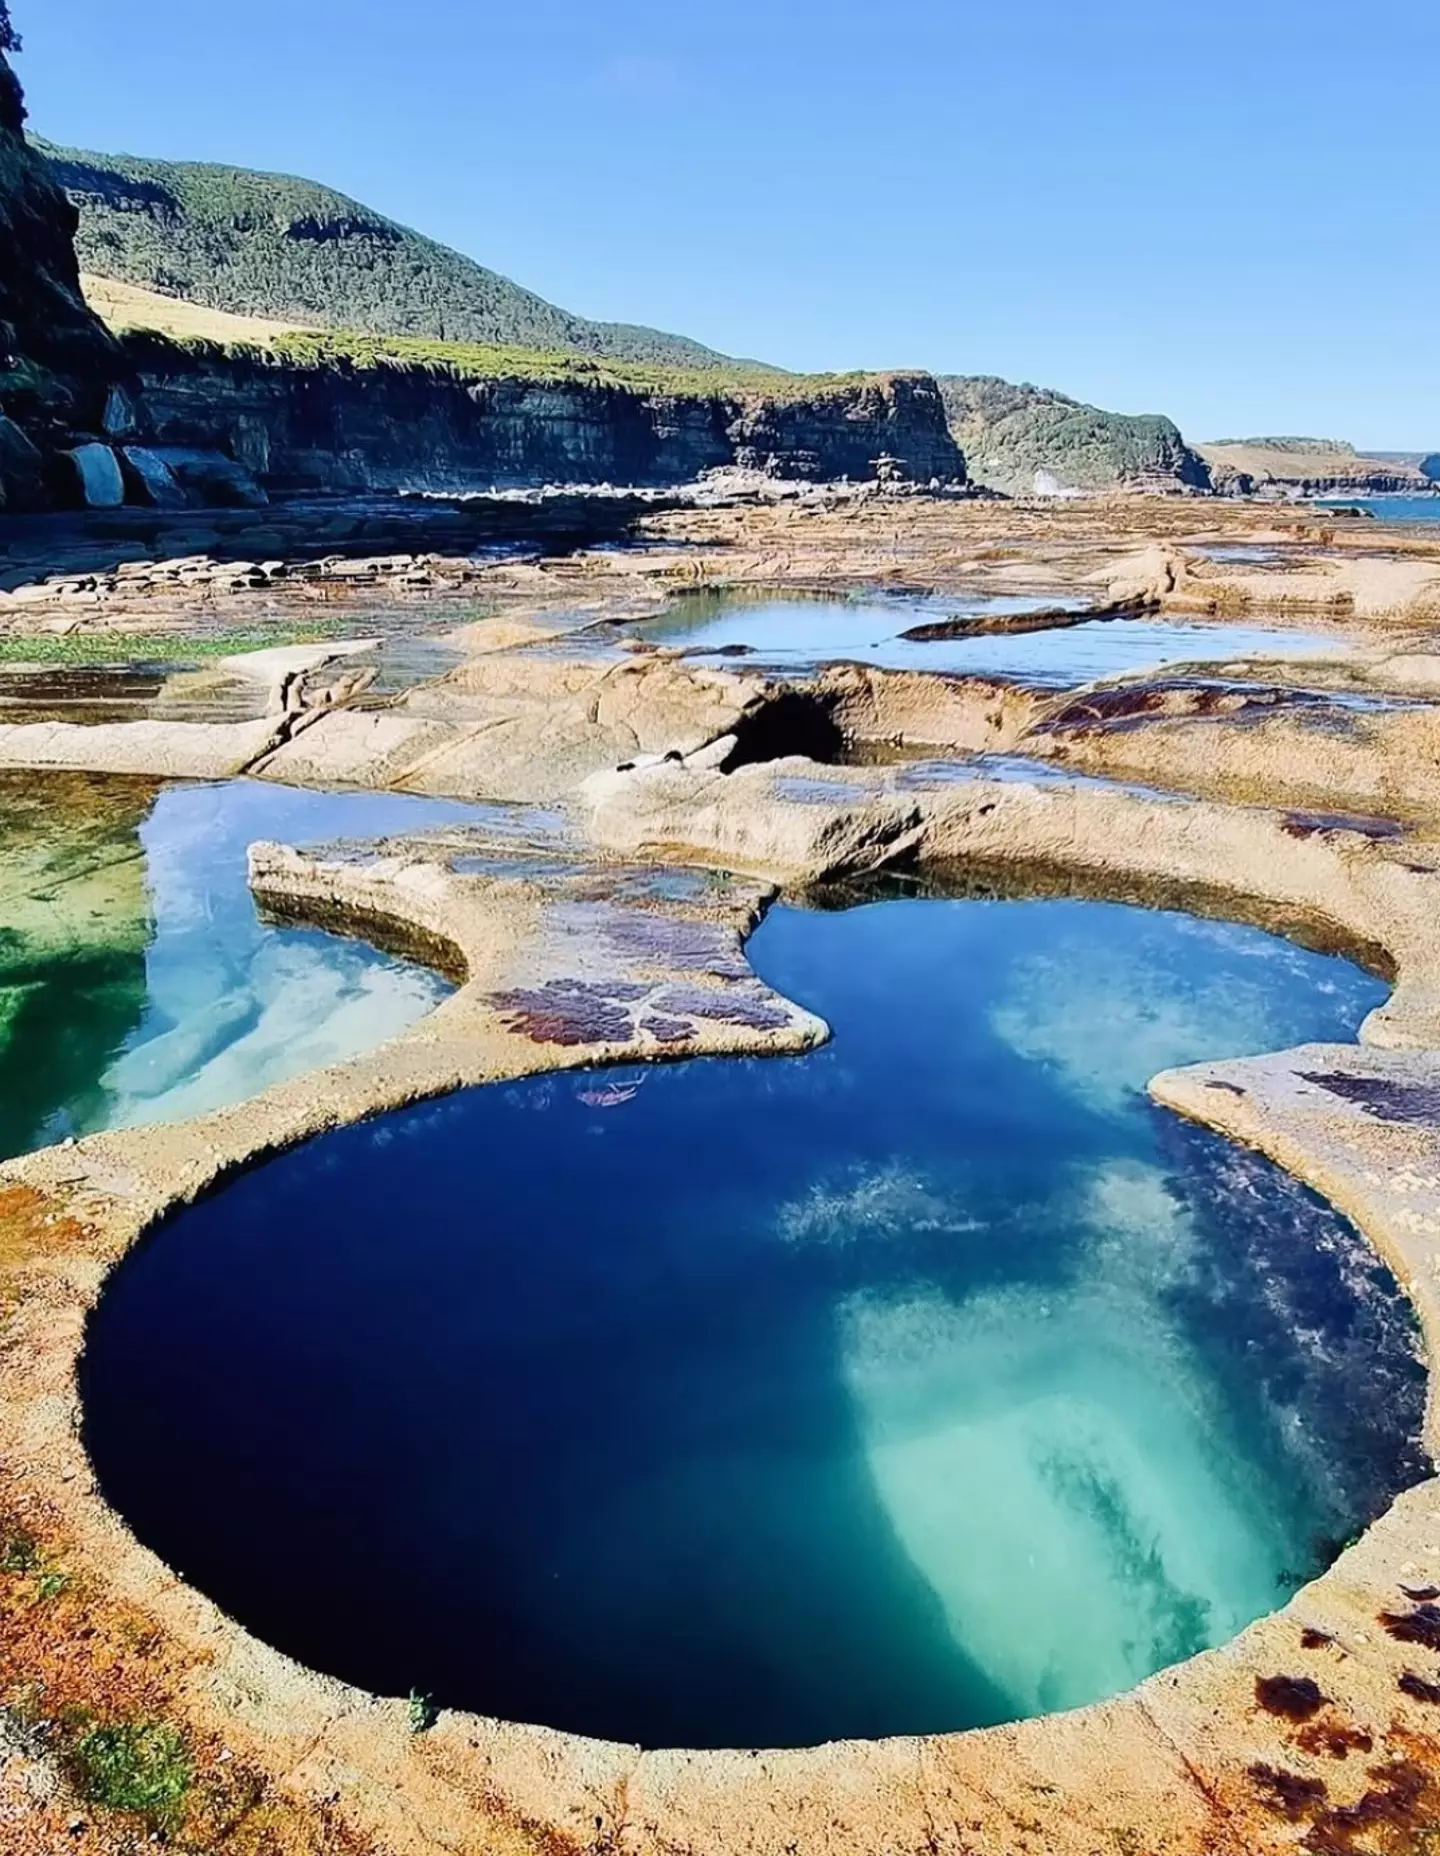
205, 573
1295, 793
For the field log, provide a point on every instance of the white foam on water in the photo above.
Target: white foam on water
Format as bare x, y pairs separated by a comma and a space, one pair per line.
892, 1201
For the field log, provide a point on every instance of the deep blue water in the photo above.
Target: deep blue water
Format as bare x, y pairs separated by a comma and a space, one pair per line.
930, 1380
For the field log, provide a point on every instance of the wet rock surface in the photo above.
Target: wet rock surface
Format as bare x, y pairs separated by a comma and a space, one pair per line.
609, 927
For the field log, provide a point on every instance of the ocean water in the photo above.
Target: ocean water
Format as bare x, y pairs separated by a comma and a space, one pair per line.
1391, 508
794, 634
138, 983
931, 1380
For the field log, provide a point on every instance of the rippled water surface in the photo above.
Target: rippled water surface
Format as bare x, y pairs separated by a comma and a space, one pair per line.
137, 980
794, 633
930, 1380
1394, 508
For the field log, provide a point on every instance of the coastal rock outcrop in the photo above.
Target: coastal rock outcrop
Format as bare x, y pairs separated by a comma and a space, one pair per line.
57, 360
1306, 467
307, 415
846, 429
1028, 440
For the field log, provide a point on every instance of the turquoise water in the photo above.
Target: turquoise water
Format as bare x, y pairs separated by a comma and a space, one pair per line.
138, 983
930, 1380
793, 634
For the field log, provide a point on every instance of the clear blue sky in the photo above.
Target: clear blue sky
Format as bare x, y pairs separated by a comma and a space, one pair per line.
1229, 212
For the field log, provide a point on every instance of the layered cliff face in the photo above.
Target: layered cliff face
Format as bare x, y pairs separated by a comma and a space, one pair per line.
324, 422
850, 428
1306, 467
57, 360
1024, 440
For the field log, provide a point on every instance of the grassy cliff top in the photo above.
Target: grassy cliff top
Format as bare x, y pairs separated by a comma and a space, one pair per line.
123, 307
292, 251
479, 362
1308, 447
1303, 459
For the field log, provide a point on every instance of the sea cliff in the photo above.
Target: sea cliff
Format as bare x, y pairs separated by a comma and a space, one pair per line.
310, 413
57, 360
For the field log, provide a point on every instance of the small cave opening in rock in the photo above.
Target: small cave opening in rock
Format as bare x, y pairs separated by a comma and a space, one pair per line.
789, 722
932, 1380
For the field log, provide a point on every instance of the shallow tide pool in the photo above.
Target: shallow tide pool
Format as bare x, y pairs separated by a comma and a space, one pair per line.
931, 1380
137, 980
792, 634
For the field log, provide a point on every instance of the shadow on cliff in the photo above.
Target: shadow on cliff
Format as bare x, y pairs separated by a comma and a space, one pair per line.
87, 543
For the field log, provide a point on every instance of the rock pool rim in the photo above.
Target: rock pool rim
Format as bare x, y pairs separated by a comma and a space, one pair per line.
527, 1719
968, 880
978, 879
560, 1784
972, 879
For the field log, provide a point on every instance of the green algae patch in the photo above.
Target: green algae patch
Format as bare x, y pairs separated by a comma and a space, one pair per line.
138, 1766
83, 649
77, 919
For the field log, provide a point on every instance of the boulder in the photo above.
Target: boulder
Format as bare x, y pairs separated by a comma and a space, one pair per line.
149, 479
212, 478
97, 476
21, 467
119, 420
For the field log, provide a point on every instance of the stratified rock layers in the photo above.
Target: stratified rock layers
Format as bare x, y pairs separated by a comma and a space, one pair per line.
343, 427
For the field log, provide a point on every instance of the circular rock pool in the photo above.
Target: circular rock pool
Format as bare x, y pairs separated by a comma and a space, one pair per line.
932, 1380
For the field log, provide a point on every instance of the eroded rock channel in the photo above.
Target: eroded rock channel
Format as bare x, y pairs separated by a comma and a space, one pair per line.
929, 1381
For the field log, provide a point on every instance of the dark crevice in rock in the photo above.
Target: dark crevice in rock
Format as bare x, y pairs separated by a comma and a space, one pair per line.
787, 722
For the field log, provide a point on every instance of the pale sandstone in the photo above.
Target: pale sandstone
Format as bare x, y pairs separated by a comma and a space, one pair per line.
1171, 1768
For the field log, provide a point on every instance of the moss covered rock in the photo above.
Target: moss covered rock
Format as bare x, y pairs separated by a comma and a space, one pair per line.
1024, 440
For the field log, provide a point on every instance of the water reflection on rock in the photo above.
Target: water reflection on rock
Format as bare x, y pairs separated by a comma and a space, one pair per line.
137, 981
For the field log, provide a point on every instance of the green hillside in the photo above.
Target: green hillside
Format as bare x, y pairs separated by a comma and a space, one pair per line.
1010, 434
356, 353
270, 245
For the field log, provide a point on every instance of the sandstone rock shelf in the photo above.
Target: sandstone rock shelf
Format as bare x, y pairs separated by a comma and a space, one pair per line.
1232, 1754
